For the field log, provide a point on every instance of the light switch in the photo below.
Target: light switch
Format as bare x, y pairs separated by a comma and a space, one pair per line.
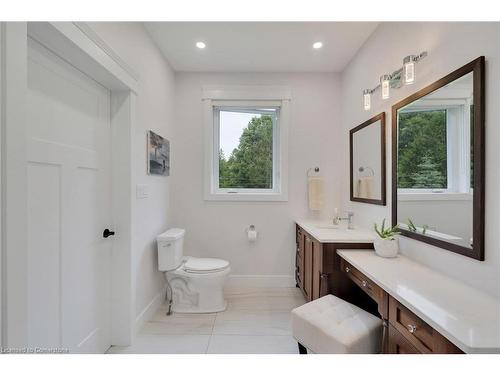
142, 191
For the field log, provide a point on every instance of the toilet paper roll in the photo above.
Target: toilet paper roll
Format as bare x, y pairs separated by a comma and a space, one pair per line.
252, 235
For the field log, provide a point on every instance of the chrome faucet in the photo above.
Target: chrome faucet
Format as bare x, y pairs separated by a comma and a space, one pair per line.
337, 219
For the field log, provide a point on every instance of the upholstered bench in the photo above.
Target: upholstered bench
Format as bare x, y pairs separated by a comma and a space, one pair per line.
330, 325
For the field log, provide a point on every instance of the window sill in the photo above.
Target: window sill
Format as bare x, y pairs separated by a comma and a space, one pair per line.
247, 197
434, 197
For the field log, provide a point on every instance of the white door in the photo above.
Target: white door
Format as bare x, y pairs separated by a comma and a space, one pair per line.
68, 143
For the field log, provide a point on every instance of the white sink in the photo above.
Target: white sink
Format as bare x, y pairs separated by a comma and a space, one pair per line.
327, 226
326, 232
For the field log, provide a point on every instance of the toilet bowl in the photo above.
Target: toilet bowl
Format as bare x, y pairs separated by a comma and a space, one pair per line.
197, 284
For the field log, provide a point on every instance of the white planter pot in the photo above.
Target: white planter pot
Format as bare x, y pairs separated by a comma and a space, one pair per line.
386, 248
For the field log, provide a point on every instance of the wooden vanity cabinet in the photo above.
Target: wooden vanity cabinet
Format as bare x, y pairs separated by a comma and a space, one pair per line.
299, 259
317, 266
309, 266
308, 275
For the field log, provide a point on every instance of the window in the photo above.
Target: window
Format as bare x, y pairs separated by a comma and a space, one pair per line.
422, 143
246, 140
434, 144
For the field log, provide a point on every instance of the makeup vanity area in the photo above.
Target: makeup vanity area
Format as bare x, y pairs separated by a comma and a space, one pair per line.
437, 198
423, 310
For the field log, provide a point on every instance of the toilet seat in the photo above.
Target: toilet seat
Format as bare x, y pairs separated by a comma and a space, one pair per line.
205, 265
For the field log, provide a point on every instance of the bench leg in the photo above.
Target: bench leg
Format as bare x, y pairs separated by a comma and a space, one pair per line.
302, 348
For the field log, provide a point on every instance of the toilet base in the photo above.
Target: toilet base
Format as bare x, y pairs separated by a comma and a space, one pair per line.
197, 293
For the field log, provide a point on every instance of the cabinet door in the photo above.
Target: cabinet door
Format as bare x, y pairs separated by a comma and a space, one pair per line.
300, 259
317, 263
308, 259
398, 344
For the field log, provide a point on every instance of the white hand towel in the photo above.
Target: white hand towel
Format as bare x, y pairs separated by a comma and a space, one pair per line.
315, 189
365, 187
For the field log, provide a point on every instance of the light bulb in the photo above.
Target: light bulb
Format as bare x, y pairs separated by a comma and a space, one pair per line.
200, 45
385, 81
317, 45
367, 99
409, 69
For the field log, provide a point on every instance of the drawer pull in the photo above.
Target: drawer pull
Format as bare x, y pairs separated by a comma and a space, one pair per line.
347, 269
412, 328
364, 283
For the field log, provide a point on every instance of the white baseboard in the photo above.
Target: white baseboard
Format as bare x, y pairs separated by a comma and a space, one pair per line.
148, 312
260, 281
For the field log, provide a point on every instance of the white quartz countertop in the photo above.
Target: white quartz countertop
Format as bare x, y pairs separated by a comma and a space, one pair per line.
467, 317
326, 232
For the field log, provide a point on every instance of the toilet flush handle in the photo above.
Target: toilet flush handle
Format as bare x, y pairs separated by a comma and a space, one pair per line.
107, 233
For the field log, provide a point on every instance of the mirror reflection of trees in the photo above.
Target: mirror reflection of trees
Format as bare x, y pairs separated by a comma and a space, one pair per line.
422, 154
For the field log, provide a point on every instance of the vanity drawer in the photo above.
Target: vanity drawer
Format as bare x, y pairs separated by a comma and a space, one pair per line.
418, 333
370, 288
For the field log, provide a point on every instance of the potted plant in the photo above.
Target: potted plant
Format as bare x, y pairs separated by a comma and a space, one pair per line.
386, 244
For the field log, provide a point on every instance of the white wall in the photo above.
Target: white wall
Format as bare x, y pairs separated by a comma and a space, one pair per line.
450, 45
154, 111
217, 229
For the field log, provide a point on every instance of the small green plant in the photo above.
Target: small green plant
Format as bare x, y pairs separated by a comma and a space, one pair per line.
386, 233
411, 226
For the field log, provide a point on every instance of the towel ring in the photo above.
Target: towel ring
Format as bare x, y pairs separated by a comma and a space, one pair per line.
315, 170
363, 169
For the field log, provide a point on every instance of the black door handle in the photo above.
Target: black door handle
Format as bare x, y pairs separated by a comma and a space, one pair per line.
107, 233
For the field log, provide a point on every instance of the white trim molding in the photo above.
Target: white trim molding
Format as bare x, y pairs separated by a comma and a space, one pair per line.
149, 311
83, 49
246, 92
14, 184
92, 35
247, 96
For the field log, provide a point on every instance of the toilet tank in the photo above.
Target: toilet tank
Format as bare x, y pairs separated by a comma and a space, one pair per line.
170, 249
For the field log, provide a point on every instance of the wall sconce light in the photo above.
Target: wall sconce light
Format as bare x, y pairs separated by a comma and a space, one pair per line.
405, 74
385, 82
409, 69
367, 99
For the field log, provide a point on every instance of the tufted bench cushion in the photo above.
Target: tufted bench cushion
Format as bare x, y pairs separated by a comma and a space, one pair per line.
332, 325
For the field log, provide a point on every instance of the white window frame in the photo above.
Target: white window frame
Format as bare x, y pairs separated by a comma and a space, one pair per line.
244, 98
458, 154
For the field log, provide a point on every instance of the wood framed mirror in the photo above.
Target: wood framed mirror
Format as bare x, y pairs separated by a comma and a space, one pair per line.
438, 160
367, 161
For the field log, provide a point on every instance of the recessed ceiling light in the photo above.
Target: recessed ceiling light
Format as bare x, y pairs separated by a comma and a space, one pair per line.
200, 45
317, 45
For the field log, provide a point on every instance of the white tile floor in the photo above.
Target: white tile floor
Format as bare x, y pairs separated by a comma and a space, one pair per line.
257, 321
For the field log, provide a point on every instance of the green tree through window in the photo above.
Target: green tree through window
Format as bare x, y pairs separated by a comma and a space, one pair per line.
422, 154
250, 165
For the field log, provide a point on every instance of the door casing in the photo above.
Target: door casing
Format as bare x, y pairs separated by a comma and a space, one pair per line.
77, 44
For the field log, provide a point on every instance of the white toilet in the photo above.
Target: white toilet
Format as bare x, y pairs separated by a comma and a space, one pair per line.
197, 283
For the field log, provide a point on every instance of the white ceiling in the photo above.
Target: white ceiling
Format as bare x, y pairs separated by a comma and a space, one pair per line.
259, 46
